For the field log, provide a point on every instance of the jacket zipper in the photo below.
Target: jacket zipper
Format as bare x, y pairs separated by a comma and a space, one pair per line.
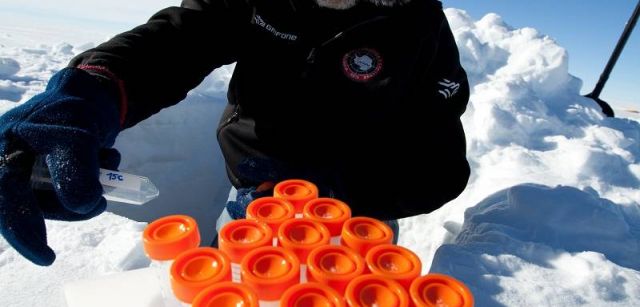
311, 58
233, 118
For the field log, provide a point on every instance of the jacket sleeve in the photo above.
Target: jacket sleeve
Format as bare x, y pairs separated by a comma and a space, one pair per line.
444, 81
157, 63
452, 85
443, 88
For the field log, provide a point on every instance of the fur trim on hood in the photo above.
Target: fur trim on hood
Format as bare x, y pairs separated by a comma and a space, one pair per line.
345, 4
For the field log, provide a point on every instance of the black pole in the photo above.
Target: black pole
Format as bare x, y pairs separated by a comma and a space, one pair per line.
595, 94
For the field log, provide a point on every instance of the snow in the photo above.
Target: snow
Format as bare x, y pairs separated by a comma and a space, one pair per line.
551, 215
8, 67
100, 246
567, 246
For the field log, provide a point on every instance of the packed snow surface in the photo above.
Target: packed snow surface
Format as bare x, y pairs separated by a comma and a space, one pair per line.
551, 215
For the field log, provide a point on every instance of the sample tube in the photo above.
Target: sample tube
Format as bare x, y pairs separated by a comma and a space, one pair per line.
394, 262
334, 266
331, 213
270, 271
196, 269
312, 295
239, 237
296, 191
376, 291
272, 211
435, 290
363, 233
117, 186
301, 236
226, 294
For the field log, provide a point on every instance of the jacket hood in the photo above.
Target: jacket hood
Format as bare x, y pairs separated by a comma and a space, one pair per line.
345, 4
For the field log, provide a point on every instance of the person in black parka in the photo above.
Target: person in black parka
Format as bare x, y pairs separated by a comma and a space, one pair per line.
361, 97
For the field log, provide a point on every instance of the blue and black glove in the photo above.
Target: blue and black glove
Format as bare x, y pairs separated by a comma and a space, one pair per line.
261, 174
238, 208
71, 126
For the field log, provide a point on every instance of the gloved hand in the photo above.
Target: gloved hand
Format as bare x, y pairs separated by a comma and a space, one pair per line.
68, 125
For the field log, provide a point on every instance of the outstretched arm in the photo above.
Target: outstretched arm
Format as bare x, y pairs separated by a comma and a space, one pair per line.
157, 63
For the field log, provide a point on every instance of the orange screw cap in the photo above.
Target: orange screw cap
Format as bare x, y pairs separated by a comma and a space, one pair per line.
296, 191
196, 269
302, 236
394, 262
440, 290
169, 236
371, 290
312, 295
334, 266
363, 233
328, 211
226, 294
239, 237
272, 211
270, 271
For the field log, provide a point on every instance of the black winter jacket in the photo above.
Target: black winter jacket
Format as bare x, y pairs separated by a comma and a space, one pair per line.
365, 102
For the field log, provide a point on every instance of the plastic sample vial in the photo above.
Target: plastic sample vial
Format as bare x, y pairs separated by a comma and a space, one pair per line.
363, 233
226, 294
296, 191
270, 271
330, 212
164, 240
272, 211
117, 186
301, 236
435, 290
196, 269
394, 262
376, 291
312, 295
239, 237
334, 266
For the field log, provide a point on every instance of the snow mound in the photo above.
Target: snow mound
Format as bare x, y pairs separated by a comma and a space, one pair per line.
527, 123
527, 120
547, 246
24, 71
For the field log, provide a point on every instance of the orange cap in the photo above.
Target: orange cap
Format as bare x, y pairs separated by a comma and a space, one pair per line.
311, 295
328, 211
296, 191
440, 290
270, 271
196, 269
363, 233
334, 266
394, 262
167, 237
302, 236
239, 237
226, 294
372, 290
271, 210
